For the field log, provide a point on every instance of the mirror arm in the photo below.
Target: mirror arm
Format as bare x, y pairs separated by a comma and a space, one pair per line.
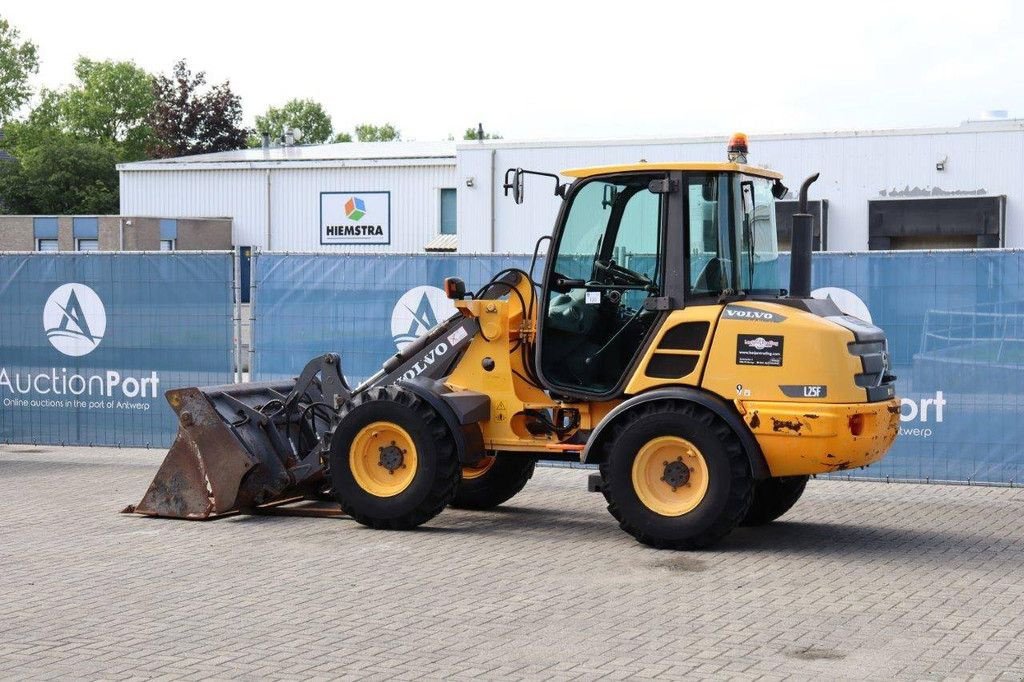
516, 183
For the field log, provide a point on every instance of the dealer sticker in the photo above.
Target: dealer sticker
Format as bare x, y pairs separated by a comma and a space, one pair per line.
759, 349
456, 336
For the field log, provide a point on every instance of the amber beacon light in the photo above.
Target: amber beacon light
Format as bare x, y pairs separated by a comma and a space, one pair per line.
738, 148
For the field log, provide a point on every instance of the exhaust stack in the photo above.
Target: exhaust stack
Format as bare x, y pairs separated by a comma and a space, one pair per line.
800, 251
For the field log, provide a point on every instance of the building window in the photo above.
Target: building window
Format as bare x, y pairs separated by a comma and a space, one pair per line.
168, 234
86, 232
449, 207
44, 230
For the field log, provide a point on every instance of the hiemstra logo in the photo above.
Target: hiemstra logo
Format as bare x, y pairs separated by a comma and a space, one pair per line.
418, 311
355, 208
74, 319
355, 217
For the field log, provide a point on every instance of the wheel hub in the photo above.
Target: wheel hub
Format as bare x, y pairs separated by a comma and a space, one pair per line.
392, 457
676, 474
670, 475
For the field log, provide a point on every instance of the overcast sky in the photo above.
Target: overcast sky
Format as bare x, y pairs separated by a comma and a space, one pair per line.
559, 69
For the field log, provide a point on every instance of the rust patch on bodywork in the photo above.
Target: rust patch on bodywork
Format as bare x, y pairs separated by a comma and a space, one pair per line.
755, 421
793, 425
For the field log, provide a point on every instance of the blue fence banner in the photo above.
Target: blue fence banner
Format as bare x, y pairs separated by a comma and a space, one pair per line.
89, 343
955, 325
365, 307
954, 320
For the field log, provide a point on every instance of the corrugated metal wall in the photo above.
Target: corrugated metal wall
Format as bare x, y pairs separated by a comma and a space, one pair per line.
240, 195
415, 204
294, 200
854, 169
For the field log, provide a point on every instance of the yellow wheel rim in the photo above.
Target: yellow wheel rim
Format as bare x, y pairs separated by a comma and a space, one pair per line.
670, 475
383, 459
481, 468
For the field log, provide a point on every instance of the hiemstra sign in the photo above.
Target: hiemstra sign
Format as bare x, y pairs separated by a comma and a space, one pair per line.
355, 217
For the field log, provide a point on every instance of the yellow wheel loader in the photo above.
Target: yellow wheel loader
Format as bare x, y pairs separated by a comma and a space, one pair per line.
657, 344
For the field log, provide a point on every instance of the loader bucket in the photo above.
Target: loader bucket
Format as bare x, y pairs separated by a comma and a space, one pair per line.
203, 471
244, 445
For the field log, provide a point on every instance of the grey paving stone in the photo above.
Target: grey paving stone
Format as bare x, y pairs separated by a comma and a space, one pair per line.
860, 580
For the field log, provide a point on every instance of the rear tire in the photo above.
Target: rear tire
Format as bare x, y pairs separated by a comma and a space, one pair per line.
676, 476
393, 463
773, 497
499, 478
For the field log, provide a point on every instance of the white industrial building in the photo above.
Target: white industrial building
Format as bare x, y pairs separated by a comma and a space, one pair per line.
949, 187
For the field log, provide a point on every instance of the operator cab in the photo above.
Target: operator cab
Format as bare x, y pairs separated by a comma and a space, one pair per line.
634, 242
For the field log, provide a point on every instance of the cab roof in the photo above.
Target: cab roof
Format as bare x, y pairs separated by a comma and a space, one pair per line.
706, 166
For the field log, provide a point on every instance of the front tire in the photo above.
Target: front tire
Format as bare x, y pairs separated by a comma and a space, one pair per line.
495, 480
676, 476
393, 463
773, 497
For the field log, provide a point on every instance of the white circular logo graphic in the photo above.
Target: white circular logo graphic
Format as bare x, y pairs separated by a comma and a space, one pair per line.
845, 300
74, 319
417, 311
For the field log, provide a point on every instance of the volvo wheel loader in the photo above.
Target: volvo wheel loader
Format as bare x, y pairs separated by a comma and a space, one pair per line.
657, 344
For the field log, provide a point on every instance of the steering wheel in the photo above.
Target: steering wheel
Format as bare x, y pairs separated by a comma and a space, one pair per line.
616, 274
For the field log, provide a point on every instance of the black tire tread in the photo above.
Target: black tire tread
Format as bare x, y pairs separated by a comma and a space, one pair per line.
503, 481
446, 482
772, 498
740, 488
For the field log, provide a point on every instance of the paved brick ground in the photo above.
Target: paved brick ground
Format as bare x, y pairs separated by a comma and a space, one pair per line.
861, 580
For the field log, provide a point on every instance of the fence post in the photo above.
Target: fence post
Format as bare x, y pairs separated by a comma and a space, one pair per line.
253, 264
237, 288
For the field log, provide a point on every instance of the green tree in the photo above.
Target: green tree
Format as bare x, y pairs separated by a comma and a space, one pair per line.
61, 176
367, 132
188, 118
44, 123
108, 105
342, 137
18, 61
111, 103
305, 114
474, 134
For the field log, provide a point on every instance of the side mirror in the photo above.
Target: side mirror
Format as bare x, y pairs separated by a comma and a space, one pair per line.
611, 193
779, 191
515, 184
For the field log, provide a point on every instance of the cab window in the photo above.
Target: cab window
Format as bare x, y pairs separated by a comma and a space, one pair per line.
607, 263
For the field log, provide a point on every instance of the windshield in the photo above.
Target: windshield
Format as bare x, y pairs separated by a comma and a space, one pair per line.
733, 239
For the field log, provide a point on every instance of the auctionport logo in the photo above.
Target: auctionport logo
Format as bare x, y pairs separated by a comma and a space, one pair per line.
355, 208
417, 312
74, 319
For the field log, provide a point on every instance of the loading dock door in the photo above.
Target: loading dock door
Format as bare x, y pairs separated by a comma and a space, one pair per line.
936, 223
784, 211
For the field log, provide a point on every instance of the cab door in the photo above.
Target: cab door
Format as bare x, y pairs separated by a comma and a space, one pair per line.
605, 271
